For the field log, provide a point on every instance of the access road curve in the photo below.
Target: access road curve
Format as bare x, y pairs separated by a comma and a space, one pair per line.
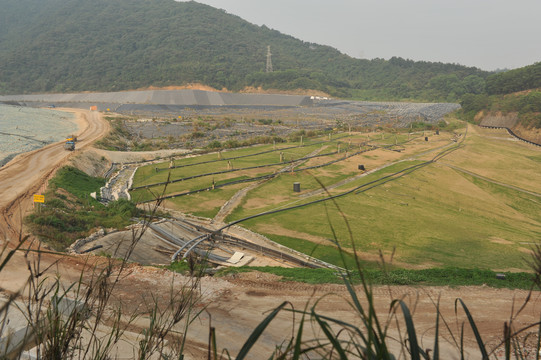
27, 173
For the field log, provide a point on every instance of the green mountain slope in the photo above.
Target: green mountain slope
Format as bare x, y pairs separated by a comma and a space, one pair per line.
513, 100
76, 45
525, 78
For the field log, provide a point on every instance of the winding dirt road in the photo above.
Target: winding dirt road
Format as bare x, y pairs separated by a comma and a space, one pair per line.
27, 173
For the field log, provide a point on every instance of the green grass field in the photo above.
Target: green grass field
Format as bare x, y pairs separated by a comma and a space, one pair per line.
466, 210
449, 276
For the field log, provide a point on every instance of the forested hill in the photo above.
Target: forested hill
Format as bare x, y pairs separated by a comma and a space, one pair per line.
513, 100
111, 45
525, 78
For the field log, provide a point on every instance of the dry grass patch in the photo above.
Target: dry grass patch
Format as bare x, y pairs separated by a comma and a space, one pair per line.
256, 203
498, 159
525, 250
497, 240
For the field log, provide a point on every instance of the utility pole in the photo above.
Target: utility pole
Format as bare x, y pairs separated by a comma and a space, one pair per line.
269, 60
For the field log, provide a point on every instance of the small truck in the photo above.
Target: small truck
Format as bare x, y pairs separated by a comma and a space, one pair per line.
69, 145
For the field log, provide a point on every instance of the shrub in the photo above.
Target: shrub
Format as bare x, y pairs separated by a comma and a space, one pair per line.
59, 227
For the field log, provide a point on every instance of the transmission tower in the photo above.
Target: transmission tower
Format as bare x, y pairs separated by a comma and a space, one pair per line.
269, 60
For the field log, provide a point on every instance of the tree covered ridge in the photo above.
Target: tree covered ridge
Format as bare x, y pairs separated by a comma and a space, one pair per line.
516, 91
76, 45
525, 78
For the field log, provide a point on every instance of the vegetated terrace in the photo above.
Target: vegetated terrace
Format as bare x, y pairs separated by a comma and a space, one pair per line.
466, 209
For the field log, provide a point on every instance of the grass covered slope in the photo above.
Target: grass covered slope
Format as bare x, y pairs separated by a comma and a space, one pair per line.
235, 165
70, 213
436, 216
478, 206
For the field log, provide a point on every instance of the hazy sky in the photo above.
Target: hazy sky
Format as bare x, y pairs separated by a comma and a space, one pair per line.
488, 34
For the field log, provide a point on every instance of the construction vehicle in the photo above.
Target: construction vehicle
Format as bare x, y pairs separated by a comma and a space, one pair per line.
69, 144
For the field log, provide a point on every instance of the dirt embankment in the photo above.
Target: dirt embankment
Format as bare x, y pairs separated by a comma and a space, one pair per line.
194, 86
246, 90
237, 304
531, 134
497, 119
307, 92
510, 121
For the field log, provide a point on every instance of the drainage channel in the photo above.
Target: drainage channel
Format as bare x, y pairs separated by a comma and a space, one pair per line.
300, 260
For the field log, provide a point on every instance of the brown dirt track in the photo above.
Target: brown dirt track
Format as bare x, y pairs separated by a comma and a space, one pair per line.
235, 305
27, 173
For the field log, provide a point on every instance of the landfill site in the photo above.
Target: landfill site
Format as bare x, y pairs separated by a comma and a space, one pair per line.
148, 117
168, 119
187, 103
237, 303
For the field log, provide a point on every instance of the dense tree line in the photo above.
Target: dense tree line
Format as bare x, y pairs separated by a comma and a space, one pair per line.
103, 45
525, 78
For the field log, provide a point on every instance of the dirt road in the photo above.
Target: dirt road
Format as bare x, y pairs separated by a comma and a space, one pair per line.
27, 173
236, 305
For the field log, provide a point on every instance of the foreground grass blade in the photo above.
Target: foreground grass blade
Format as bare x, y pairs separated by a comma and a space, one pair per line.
412, 336
258, 331
376, 336
480, 343
332, 338
538, 347
507, 340
298, 341
10, 253
462, 342
436, 336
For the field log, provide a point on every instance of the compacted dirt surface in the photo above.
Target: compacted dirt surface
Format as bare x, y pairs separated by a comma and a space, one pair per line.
27, 173
234, 305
